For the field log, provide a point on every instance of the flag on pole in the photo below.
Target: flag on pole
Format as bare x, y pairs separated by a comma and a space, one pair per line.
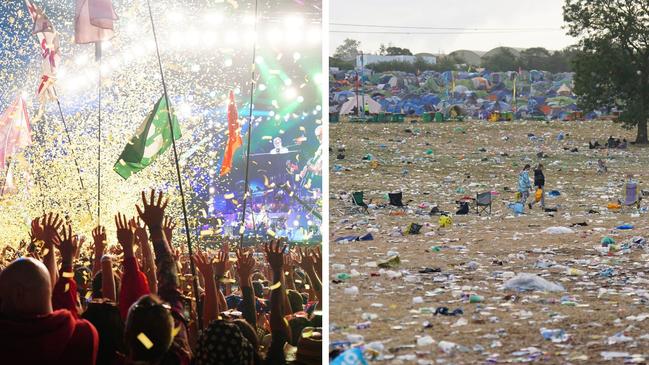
234, 136
49, 42
15, 131
93, 21
151, 140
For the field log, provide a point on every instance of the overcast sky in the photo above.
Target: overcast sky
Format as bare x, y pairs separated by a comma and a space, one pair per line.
493, 19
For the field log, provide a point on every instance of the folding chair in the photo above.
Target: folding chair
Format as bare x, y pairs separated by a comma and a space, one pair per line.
358, 200
631, 195
396, 199
482, 202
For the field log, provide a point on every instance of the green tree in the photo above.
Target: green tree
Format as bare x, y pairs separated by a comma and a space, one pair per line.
383, 50
503, 60
612, 67
535, 58
341, 64
348, 50
397, 51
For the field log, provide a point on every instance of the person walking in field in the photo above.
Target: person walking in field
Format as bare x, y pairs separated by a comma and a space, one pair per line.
524, 186
539, 183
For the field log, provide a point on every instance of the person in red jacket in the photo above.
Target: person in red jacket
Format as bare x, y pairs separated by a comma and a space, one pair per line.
32, 333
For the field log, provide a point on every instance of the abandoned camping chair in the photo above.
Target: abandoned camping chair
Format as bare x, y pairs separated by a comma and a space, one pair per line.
482, 202
358, 200
631, 197
396, 199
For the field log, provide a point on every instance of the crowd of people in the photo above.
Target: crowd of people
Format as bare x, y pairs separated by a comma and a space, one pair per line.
133, 302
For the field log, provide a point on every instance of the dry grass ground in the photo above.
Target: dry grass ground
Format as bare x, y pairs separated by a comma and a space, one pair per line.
505, 328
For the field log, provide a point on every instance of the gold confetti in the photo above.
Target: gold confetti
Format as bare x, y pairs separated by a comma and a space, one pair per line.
145, 341
275, 286
68, 274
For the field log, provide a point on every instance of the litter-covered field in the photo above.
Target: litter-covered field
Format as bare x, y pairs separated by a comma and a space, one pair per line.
454, 294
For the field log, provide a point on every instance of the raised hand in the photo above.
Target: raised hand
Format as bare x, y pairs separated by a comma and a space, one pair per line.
168, 226
38, 231
203, 264
317, 260
79, 241
153, 212
125, 234
51, 224
67, 245
307, 263
221, 263
275, 254
245, 265
99, 240
140, 230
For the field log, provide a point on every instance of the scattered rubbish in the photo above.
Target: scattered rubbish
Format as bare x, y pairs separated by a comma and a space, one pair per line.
525, 281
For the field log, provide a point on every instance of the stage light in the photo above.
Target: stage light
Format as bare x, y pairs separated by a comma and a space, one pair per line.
228, 62
81, 60
274, 35
106, 45
288, 82
259, 60
271, 113
293, 22
317, 78
296, 56
231, 37
293, 37
318, 108
214, 18
290, 93
300, 99
249, 19
261, 87
250, 36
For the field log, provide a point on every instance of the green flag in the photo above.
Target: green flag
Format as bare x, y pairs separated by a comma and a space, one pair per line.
151, 140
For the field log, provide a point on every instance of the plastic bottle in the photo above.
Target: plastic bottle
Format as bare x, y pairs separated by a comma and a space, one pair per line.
474, 298
425, 341
352, 290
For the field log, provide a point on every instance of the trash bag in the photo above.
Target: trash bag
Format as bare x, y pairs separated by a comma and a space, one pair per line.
413, 228
445, 221
558, 230
518, 208
526, 281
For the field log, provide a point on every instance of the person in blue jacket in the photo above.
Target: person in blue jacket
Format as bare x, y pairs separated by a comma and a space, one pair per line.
524, 186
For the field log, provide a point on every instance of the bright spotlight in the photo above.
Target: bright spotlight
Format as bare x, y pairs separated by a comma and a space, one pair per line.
231, 37
293, 21
290, 93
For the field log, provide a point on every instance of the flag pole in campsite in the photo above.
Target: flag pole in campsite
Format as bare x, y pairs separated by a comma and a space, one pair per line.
252, 94
180, 183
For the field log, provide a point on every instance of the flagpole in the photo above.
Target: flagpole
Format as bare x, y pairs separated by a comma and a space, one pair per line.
252, 94
98, 57
76, 162
180, 183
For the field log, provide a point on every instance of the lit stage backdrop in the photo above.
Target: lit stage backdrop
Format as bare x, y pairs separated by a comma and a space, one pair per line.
206, 52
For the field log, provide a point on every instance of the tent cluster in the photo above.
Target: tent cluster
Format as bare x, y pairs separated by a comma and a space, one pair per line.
525, 94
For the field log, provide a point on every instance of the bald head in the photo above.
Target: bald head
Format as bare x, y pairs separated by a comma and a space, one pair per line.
25, 289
